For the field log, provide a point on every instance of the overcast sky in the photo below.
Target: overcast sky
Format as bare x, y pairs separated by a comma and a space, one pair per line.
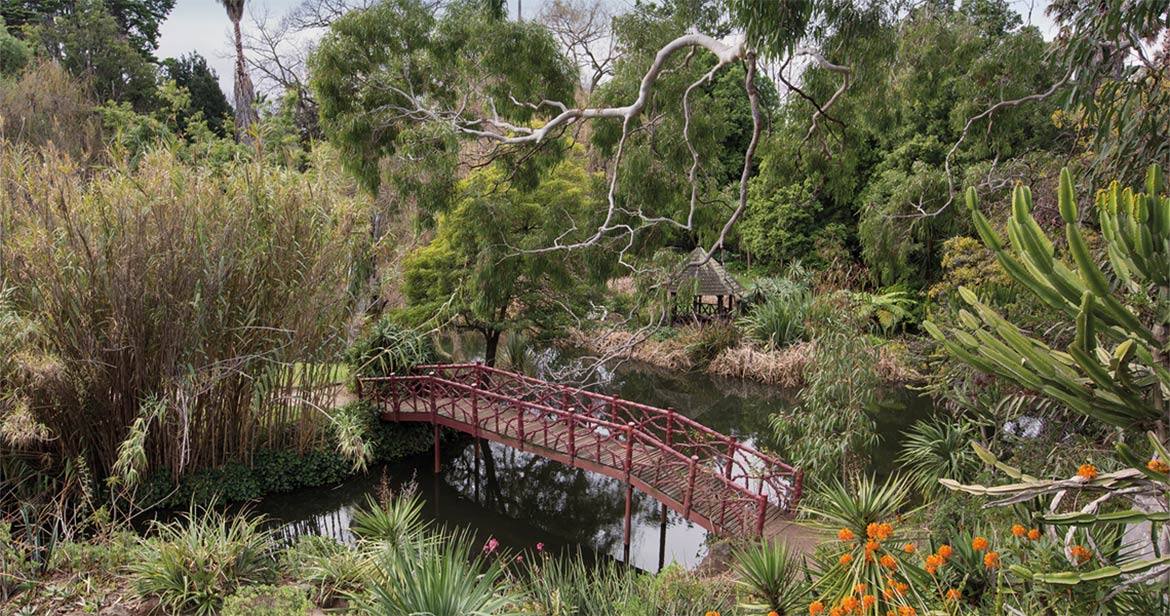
203, 26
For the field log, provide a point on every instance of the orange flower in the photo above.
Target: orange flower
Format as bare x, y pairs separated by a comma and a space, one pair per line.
816, 607
845, 534
901, 588
991, 560
1088, 471
712, 613
909, 548
1034, 534
887, 594
889, 562
979, 544
845, 559
872, 546
860, 588
906, 610
946, 551
933, 562
773, 613
1158, 466
1018, 530
836, 612
954, 594
1080, 554
848, 603
868, 601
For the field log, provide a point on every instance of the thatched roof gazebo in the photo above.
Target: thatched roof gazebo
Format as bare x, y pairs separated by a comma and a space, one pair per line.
705, 278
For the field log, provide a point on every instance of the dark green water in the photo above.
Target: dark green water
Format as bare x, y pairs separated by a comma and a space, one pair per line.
521, 499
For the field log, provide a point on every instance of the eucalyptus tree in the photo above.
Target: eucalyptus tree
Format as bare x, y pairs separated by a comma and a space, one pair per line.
404, 72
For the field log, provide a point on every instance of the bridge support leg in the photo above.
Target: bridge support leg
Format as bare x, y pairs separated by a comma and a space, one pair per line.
662, 540
626, 535
437, 460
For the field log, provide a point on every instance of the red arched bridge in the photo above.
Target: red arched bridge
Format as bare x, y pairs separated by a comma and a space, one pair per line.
724, 486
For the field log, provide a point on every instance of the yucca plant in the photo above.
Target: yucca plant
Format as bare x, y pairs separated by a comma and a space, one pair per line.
193, 563
938, 449
772, 576
396, 524
444, 577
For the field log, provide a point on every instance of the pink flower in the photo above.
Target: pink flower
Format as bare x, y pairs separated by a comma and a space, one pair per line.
539, 547
519, 558
490, 546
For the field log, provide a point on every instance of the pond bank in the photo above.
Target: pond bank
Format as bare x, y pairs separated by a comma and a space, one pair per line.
783, 367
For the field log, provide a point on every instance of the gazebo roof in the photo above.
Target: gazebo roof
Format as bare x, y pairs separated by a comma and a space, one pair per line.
707, 276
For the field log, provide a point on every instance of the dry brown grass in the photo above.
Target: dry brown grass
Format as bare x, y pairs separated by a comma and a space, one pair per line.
786, 367
626, 345
782, 367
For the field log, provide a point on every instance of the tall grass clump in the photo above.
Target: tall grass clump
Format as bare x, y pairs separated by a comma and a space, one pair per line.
772, 577
197, 288
389, 348
195, 562
569, 585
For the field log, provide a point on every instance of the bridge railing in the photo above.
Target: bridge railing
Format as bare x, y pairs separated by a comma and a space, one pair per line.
742, 464
509, 403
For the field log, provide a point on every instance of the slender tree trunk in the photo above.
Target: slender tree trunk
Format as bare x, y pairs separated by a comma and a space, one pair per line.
492, 345
245, 95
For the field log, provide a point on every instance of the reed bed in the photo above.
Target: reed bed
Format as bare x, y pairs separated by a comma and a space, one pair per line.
628, 345
204, 305
780, 367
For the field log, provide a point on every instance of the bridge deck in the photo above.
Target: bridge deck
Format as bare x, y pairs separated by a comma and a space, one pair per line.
723, 486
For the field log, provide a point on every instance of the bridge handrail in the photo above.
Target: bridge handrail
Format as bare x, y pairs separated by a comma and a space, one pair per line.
726, 458
690, 423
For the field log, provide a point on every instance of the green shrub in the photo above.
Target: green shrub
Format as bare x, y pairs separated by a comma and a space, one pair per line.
267, 601
389, 348
772, 577
325, 564
192, 564
705, 342
14, 53
779, 320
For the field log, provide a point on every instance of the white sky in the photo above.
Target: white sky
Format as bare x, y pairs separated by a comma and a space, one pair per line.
203, 26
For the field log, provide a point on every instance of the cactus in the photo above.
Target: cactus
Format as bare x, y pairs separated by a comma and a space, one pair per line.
1116, 369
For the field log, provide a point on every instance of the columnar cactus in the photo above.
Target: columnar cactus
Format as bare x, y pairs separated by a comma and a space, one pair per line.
1116, 369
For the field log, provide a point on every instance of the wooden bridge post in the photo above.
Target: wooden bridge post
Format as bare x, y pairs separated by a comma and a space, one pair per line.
572, 438
520, 422
730, 456
797, 491
435, 423
629, 490
689, 495
395, 401
763, 512
669, 426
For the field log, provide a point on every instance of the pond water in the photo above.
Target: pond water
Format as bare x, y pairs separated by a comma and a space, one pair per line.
521, 499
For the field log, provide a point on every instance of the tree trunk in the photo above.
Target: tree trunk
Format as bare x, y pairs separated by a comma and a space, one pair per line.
491, 346
245, 95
